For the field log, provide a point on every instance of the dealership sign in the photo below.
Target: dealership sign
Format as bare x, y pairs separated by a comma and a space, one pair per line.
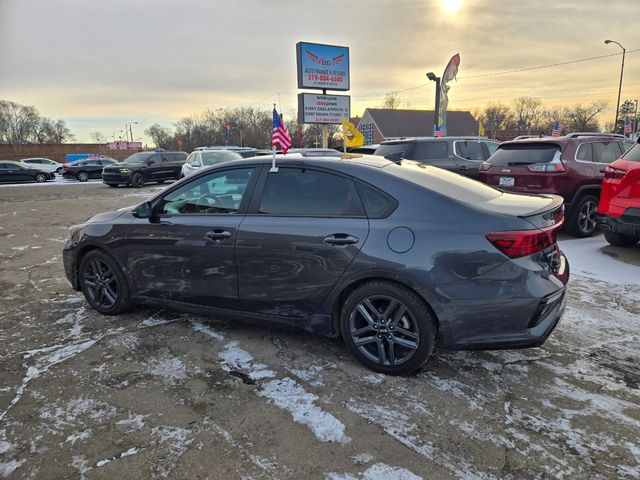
329, 109
324, 67
124, 146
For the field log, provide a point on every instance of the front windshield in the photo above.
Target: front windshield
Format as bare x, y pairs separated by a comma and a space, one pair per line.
137, 158
213, 158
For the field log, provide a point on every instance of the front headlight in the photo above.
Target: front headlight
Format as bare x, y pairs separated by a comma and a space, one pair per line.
75, 233
124, 170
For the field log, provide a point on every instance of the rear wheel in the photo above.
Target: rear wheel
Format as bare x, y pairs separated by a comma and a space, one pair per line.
620, 239
59, 170
580, 222
137, 181
103, 283
388, 327
41, 178
82, 176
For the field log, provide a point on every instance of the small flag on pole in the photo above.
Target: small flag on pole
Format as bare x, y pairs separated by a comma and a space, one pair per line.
627, 125
280, 136
480, 129
438, 132
352, 136
558, 127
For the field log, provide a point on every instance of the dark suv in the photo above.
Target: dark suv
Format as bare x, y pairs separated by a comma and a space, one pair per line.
143, 167
572, 166
462, 155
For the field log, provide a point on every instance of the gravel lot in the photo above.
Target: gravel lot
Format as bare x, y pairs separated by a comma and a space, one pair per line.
157, 393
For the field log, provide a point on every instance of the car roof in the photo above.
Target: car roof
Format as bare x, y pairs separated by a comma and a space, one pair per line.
297, 159
436, 139
9, 161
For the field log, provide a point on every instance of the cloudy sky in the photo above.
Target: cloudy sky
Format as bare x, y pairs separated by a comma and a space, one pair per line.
100, 64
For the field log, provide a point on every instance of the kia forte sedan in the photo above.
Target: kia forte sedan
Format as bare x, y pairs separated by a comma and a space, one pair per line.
394, 258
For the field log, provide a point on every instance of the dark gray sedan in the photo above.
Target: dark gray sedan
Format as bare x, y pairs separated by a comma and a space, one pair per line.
393, 257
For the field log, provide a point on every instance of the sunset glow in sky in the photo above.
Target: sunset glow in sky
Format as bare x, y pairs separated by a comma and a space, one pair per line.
99, 65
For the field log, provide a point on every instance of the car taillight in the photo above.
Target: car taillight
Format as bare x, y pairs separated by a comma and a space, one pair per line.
614, 173
484, 166
551, 167
518, 244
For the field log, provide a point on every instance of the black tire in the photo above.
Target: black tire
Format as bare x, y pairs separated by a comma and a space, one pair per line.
59, 170
103, 283
580, 222
82, 176
41, 177
137, 180
112, 184
394, 339
620, 239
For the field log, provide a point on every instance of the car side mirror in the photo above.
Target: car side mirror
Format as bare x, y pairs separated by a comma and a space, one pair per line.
150, 162
144, 210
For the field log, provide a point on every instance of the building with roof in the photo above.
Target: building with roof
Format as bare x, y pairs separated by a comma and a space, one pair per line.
378, 124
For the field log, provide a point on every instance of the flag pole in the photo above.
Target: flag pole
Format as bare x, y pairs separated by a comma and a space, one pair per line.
273, 168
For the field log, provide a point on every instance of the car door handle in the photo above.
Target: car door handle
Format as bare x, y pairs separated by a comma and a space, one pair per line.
218, 234
341, 239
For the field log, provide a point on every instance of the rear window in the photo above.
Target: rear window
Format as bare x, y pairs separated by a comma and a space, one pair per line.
444, 182
430, 151
212, 158
514, 154
389, 148
633, 154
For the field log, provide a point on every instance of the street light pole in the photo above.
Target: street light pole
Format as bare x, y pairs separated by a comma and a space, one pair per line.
624, 51
130, 131
431, 76
635, 118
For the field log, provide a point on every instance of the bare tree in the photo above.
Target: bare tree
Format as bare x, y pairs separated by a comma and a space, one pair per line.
528, 113
97, 136
162, 137
497, 116
391, 101
584, 118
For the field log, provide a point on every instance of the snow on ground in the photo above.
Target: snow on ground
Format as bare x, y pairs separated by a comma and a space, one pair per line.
586, 258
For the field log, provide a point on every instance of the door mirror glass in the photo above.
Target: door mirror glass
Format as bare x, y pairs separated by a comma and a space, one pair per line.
143, 210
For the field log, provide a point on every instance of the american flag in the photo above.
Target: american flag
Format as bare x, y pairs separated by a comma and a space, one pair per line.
438, 132
627, 125
280, 136
558, 127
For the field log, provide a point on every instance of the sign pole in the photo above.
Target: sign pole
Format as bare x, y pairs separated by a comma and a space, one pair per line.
273, 168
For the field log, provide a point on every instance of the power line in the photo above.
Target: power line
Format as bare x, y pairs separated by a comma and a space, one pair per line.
507, 72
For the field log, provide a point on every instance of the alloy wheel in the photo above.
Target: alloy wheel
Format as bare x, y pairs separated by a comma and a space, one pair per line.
384, 330
100, 283
585, 216
83, 176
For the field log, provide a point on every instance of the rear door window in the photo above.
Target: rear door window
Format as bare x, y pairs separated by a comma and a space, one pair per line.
304, 192
390, 148
585, 153
492, 147
633, 154
430, 151
606, 152
469, 150
516, 154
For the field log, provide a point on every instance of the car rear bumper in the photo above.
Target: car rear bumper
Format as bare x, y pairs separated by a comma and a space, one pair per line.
628, 223
511, 307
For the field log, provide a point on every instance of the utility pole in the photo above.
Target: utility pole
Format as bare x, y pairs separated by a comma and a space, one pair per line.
624, 51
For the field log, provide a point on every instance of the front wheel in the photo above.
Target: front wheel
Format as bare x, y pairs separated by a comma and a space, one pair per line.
82, 176
103, 283
41, 178
620, 239
580, 223
137, 181
388, 327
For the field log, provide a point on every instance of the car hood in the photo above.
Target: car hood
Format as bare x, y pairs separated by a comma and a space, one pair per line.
108, 216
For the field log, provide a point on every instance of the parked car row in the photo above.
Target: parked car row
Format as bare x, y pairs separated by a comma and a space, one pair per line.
573, 166
16, 172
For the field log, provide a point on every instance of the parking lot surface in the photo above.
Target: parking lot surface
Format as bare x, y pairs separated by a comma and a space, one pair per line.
161, 394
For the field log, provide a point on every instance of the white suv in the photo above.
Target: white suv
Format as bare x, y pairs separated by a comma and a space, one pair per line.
43, 164
205, 158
